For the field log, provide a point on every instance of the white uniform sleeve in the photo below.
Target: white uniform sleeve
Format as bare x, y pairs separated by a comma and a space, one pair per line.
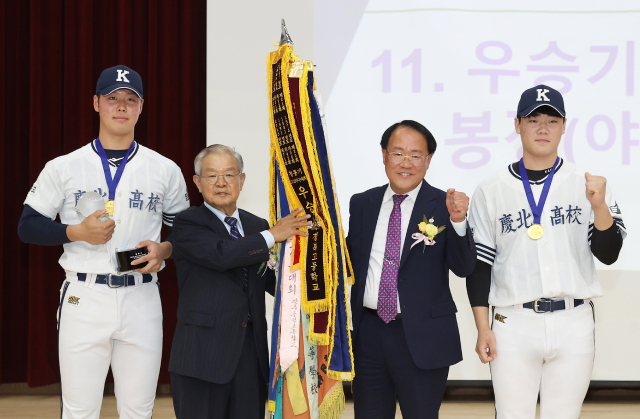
482, 227
176, 198
615, 213
47, 194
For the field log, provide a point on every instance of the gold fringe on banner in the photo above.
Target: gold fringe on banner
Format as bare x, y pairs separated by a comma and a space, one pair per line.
331, 276
287, 58
314, 162
315, 165
274, 202
299, 69
285, 55
294, 148
333, 403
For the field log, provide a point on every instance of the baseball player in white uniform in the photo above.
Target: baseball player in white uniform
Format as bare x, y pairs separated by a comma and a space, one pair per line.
537, 225
106, 318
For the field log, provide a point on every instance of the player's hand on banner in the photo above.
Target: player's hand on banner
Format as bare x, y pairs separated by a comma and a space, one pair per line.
596, 188
155, 257
486, 340
457, 204
92, 230
290, 225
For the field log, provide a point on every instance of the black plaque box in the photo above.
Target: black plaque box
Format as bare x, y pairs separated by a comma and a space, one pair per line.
125, 258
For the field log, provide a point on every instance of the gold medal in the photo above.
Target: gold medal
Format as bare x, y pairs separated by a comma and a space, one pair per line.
535, 231
109, 206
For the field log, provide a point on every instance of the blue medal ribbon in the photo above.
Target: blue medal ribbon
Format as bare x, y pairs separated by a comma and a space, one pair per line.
537, 209
112, 183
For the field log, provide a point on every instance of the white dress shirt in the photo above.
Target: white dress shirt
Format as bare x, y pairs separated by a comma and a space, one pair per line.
380, 241
268, 237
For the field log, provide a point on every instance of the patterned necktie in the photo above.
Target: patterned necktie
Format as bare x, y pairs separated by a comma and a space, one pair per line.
388, 291
235, 234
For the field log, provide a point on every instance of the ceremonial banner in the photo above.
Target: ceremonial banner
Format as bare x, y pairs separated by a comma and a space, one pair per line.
290, 318
311, 352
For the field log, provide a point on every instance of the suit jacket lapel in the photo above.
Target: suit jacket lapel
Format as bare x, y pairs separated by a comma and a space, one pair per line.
369, 220
248, 225
214, 222
425, 204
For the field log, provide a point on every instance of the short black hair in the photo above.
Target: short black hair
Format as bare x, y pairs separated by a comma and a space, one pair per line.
543, 110
417, 126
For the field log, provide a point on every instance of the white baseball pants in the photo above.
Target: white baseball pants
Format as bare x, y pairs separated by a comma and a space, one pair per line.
547, 353
100, 327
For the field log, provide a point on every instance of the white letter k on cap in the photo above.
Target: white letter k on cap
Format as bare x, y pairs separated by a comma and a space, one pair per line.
542, 93
122, 77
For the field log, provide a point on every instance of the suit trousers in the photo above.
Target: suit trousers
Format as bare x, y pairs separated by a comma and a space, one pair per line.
385, 371
243, 397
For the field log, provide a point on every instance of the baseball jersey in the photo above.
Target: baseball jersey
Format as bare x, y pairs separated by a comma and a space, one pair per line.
558, 265
152, 190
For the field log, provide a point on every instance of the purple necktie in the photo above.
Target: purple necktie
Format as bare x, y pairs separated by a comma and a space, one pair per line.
388, 291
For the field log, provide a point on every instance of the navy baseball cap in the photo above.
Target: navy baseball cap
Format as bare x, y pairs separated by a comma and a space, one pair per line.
540, 95
119, 77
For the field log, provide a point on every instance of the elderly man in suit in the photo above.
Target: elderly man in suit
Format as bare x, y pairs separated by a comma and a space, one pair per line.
219, 359
404, 325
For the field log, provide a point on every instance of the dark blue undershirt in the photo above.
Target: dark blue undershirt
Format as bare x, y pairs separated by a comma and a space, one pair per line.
36, 228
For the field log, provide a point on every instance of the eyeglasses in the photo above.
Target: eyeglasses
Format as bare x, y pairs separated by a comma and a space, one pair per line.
227, 178
415, 159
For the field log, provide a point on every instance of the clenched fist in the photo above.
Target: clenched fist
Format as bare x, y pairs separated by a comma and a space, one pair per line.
457, 204
596, 188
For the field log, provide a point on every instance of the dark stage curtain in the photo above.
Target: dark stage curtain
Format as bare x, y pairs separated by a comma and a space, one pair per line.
53, 52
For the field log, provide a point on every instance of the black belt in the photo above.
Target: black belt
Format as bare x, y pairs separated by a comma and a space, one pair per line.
375, 313
544, 305
115, 281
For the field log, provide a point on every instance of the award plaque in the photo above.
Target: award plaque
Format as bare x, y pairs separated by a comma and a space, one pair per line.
89, 203
125, 257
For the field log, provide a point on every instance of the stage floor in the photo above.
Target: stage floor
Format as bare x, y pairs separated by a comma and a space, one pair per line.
47, 407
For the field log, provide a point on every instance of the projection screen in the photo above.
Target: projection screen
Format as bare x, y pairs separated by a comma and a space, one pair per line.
460, 71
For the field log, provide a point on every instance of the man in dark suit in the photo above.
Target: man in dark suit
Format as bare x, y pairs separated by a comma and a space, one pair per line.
219, 359
404, 325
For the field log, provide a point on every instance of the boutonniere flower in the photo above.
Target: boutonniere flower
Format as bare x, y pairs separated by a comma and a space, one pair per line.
271, 263
428, 231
